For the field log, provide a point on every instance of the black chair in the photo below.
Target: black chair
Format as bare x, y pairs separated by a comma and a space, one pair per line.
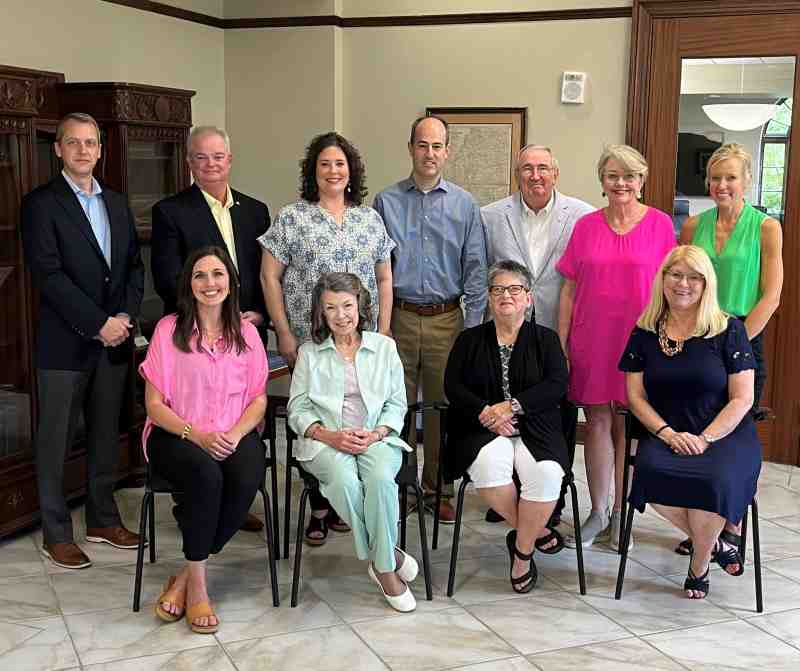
465, 480
406, 477
155, 484
759, 415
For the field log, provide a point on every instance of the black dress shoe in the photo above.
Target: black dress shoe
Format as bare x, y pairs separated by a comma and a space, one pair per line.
252, 523
493, 516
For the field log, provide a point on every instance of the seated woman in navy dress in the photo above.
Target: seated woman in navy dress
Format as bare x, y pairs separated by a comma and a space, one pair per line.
689, 377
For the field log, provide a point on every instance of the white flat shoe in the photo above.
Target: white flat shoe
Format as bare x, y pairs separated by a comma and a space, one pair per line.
409, 569
404, 602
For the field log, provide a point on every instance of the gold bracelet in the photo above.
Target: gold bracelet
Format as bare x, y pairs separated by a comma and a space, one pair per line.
187, 429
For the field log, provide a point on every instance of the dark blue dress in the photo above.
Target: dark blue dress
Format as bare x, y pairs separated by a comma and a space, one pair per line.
688, 390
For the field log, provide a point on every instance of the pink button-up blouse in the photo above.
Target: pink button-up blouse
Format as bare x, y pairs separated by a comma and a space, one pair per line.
209, 390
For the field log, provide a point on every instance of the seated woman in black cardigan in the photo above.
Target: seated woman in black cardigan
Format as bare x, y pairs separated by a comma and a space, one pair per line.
504, 381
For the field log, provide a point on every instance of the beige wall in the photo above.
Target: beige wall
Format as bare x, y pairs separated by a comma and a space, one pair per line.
392, 74
210, 7
89, 40
280, 92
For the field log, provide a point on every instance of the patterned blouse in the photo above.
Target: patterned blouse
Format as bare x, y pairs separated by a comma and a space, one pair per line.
505, 361
307, 240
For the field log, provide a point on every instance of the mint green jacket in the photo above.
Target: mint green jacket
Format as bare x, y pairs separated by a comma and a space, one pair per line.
317, 390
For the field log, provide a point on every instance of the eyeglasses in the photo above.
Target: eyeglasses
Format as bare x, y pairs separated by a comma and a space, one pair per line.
205, 158
693, 278
613, 178
513, 289
542, 169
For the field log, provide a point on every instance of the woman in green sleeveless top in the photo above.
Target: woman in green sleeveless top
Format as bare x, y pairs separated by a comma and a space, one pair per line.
744, 245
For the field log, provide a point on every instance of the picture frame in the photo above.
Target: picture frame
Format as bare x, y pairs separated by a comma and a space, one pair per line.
484, 143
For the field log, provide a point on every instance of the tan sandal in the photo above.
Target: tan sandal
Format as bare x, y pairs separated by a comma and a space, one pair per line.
166, 596
202, 609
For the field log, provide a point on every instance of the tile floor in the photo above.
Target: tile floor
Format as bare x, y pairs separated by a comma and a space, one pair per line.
56, 619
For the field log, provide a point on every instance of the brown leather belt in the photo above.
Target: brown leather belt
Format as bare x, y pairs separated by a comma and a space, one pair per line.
427, 310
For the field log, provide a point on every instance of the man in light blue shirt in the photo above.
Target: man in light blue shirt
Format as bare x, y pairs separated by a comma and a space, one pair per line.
440, 258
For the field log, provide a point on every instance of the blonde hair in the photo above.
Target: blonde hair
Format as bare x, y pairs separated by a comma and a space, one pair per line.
711, 320
732, 150
629, 157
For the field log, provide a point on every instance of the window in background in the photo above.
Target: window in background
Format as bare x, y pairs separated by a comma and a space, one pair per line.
774, 143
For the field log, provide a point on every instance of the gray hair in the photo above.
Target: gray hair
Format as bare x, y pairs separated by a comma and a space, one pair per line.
541, 147
338, 283
627, 156
508, 266
199, 131
80, 117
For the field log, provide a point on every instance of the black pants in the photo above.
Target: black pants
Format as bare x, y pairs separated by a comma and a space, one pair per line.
569, 425
757, 344
62, 396
216, 494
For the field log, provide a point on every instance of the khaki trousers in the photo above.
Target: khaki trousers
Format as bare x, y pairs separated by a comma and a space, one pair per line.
424, 343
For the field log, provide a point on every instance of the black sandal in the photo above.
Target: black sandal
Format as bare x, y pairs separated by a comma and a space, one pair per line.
697, 584
525, 583
728, 556
316, 525
685, 548
541, 543
333, 521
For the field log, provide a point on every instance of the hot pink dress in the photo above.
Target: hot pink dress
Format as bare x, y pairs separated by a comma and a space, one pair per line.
613, 274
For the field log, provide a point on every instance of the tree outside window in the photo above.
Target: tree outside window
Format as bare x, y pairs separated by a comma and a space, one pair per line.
773, 160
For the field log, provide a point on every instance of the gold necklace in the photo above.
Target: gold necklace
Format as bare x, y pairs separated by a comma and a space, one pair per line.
664, 340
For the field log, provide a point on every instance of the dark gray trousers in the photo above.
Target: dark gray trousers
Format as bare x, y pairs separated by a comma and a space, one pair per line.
62, 395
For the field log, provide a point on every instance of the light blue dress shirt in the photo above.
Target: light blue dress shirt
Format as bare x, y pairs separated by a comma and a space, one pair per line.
94, 207
317, 390
441, 247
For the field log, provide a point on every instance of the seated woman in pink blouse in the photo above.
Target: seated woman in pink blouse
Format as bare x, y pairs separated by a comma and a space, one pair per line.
206, 373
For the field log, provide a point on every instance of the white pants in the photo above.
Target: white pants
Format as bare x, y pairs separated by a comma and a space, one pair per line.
496, 462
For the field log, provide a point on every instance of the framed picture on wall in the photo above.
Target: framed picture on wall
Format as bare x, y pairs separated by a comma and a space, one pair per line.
484, 142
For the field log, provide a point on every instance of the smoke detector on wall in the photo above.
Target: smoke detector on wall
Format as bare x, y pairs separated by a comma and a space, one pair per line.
573, 87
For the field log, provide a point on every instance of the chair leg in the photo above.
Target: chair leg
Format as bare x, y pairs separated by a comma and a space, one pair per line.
137, 585
287, 504
743, 536
439, 485
757, 558
451, 579
298, 548
403, 515
151, 509
626, 466
274, 499
577, 530
423, 540
624, 552
271, 548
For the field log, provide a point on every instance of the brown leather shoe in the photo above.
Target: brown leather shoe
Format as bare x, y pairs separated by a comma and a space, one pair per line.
251, 523
66, 555
447, 514
119, 537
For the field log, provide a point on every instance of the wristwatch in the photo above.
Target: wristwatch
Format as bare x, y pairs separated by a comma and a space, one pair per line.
708, 438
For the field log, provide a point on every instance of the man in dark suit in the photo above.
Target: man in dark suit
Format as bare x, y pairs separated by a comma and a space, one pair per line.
211, 213
82, 250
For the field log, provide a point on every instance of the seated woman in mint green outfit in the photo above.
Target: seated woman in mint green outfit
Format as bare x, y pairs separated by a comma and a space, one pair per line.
348, 403
744, 246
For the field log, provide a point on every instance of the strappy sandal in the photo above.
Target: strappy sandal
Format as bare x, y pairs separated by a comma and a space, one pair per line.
684, 548
163, 614
525, 583
316, 525
697, 584
202, 609
541, 543
727, 556
336, 523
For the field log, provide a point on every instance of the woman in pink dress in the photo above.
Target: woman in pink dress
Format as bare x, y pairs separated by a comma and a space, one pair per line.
609, 266
206, 374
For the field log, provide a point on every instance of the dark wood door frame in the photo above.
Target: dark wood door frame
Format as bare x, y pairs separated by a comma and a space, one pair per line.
664, 32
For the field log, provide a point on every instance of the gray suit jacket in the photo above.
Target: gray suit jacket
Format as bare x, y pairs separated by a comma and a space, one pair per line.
505, 239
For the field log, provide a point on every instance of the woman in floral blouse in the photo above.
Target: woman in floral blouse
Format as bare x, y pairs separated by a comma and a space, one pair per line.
328, 229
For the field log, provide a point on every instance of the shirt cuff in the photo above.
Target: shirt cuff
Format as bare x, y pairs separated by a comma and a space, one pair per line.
472, 318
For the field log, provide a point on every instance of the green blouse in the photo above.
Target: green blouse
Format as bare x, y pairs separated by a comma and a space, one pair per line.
738, 266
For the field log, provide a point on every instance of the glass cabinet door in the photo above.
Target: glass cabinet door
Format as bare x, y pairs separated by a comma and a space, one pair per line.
153, 170
15, 374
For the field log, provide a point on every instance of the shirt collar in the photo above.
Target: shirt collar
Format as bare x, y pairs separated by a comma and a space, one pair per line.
408, 184
544, 212
212, 202
367, 342
96, 188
